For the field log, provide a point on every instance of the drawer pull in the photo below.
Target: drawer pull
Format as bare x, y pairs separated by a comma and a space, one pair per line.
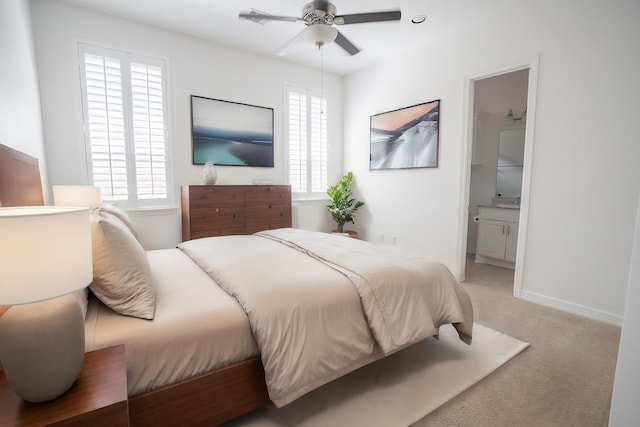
217, 209
234, 216
269, 206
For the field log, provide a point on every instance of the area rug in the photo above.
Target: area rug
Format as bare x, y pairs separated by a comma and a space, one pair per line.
400, 389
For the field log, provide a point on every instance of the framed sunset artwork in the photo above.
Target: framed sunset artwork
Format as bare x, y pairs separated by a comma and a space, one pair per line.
405, 138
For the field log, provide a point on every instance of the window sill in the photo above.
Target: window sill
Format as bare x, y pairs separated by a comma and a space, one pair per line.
167, 210
309, 199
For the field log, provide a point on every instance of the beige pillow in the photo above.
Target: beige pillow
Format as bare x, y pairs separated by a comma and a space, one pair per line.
121, 271
122, 215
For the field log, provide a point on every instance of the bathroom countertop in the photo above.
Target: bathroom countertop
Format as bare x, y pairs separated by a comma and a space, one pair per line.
502, 206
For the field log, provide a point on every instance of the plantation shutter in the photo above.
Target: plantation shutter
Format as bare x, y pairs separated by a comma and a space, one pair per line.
297, 141
104, 124
307, 141
125, 114
148, 131
318, 145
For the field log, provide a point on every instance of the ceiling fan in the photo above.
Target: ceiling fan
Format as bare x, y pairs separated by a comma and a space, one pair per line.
319, 16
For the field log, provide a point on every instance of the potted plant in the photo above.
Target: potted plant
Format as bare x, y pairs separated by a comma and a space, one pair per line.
343, 205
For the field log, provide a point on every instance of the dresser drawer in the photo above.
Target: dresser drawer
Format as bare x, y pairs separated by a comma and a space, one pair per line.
268, 214
267, 194
217, 217
211, 196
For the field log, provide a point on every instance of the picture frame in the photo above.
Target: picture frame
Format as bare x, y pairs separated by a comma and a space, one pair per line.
231, 133
405, 138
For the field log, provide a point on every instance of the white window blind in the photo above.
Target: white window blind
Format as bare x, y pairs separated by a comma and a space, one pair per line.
125, 115
307, 141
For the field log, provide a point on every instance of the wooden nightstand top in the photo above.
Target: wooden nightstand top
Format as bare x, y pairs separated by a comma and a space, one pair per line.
98, 397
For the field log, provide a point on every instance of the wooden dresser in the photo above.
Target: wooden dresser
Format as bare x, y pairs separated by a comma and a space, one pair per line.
219, 210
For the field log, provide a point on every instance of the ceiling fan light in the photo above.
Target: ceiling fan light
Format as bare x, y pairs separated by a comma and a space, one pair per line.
320, 34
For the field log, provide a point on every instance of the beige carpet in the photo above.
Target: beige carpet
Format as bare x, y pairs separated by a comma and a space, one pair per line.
400, 389
564, 379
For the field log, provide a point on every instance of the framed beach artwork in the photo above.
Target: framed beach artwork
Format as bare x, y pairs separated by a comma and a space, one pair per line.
230, 133
405, 138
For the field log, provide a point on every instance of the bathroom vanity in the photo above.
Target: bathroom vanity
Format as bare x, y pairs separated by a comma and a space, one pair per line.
498, 235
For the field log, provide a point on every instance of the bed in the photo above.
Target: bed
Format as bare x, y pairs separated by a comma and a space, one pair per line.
239, 321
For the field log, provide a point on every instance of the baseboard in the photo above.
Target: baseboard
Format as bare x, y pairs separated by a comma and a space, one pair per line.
581, 310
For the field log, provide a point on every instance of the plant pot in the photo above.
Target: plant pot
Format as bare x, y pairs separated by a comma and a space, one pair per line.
348, 233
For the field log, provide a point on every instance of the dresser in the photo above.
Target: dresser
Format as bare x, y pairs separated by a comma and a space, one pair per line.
220, 210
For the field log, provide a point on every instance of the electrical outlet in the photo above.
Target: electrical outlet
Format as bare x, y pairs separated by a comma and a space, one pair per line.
394, 240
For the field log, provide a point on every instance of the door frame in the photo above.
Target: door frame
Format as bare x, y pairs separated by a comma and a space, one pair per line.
467, 147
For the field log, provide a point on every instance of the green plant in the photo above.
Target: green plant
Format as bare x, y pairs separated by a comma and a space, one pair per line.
343, 205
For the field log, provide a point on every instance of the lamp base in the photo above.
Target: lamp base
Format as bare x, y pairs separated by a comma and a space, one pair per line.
42, 347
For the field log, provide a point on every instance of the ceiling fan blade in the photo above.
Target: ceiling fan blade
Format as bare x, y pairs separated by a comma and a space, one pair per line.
359, 18
344, 43
286, 48
260, 17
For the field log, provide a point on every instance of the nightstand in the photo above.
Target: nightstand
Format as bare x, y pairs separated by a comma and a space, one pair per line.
98, 397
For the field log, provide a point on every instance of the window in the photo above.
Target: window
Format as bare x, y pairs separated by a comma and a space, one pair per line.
125, 125
307, 142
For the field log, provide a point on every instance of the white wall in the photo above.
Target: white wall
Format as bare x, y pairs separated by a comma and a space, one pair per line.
625, 410
196, 67
585, 178
20, 118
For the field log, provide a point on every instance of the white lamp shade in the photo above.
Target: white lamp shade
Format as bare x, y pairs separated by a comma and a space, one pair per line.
45, 252
320, 34
76, 195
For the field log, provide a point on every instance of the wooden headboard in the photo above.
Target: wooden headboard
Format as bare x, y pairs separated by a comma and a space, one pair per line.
20, 183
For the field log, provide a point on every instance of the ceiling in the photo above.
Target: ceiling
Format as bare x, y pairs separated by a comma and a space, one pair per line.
217, 20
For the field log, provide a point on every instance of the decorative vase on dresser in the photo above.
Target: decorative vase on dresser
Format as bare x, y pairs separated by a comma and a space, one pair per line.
209, 173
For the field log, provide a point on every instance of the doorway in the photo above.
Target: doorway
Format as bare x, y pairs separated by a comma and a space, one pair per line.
502, 100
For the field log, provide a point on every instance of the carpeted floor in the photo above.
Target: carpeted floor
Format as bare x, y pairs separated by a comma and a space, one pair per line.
565, 378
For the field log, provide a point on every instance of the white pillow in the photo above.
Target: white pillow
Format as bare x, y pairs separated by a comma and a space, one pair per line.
121, 271
122, 215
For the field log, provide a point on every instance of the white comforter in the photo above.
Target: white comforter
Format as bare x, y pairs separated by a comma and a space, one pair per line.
322, 305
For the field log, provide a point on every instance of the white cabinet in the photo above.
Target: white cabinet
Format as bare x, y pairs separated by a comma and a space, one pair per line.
511, 244
497, 236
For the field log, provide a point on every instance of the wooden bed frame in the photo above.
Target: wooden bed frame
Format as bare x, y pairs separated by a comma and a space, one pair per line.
209, 399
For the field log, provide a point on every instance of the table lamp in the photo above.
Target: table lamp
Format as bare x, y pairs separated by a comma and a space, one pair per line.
77, 195
45, 252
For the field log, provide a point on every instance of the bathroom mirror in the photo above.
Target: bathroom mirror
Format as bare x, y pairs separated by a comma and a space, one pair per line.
510, 160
